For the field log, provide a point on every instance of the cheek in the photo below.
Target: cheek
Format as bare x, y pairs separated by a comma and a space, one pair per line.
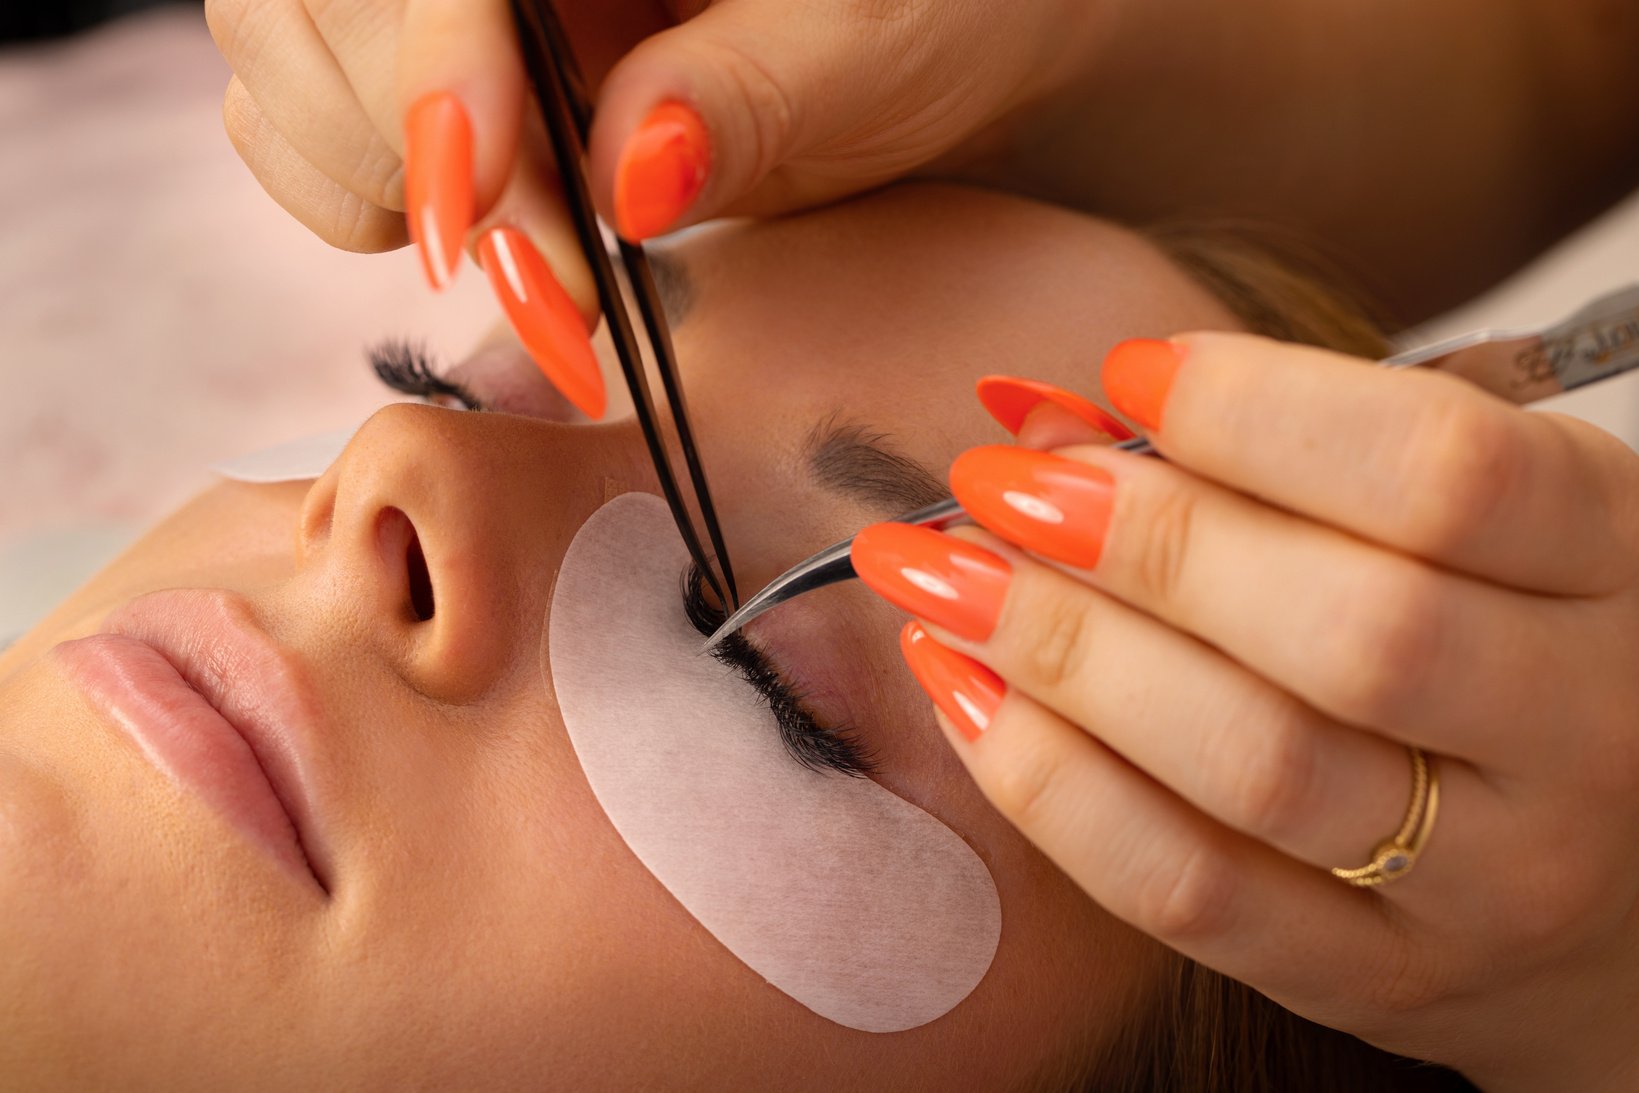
849, 899
231, 536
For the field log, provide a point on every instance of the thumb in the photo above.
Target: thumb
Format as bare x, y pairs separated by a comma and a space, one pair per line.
696, 118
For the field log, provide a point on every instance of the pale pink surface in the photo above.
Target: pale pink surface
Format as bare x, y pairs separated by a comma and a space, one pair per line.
157, 310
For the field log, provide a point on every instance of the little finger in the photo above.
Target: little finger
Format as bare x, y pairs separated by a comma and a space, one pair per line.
1230, 902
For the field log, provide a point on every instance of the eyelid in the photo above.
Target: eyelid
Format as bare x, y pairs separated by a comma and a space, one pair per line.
808, 740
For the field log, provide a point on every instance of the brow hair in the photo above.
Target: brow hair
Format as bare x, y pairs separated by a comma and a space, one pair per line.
863, 463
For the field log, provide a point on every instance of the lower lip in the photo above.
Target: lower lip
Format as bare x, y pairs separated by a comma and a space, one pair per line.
184, 736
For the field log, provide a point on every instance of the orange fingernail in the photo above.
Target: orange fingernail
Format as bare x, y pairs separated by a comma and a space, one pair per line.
950, 583
1138, 375
438, 200
1009, 400
661, 171
1045, 503
544, 317
964, 689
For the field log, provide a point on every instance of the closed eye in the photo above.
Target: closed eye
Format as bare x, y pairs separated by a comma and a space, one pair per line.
807, 740
408, 369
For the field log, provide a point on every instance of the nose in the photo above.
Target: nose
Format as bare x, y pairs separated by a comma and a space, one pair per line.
437, 533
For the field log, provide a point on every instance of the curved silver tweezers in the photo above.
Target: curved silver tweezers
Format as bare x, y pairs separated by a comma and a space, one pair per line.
832, 565
1599, 341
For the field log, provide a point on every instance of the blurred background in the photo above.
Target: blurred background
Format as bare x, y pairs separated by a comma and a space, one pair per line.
159, 312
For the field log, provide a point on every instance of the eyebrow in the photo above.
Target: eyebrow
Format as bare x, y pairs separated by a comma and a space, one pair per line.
861, 463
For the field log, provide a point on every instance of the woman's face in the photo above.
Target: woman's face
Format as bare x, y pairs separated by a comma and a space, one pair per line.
461, 911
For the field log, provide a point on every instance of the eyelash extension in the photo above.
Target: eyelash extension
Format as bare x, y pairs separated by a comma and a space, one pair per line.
407, 368
815, 746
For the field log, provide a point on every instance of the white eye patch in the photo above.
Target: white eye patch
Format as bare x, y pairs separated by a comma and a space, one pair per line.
851, 900
293, 461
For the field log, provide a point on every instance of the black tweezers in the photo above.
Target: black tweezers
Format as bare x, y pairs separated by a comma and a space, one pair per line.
566, 108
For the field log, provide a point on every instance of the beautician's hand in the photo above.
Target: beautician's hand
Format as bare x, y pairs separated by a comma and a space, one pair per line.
374, 120
1194, 685
756, 106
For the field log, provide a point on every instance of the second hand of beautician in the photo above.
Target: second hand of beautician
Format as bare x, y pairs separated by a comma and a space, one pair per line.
1223, 691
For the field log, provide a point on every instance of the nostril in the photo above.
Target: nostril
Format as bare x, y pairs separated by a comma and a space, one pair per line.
397, 538
421, 581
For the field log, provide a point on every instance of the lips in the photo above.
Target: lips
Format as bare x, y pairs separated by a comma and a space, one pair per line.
219, 708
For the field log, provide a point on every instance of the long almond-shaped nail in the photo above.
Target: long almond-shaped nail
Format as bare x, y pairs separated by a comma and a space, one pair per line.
1010, 399
438, 187
966, 691
1138, 375
934, 576
661, 171
544, 317
1046, 503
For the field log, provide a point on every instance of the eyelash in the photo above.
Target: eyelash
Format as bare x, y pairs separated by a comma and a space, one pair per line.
815, 746
408, 369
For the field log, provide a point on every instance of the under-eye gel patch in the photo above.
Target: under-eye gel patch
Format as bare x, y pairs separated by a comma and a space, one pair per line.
851, 900
293, 461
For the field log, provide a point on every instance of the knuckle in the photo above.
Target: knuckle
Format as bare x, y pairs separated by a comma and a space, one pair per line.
379, 174
1024, 789
1404, 981
358, 226
1271, 791
888, 11
347, 24
1165, 531
1464, 461
240, 27
1555, 905
1055, 649
1191, 899
1384, 645
770, 113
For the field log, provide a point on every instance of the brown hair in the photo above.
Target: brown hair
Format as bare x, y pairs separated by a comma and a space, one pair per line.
1202, 1032
1276, 285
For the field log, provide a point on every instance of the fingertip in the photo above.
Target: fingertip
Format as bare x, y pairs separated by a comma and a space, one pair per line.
1043, 416
544, 318
438, 183
1138, 375
662, 168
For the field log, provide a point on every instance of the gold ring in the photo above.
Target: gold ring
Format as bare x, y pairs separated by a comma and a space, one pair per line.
1394, 856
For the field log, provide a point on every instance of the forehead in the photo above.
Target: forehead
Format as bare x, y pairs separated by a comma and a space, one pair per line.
976, 277
891, 306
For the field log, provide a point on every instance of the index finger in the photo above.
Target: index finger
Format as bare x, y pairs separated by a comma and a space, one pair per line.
1415, 460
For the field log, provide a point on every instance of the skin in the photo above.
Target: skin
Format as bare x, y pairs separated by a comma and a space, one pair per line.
1428, 149
485, 926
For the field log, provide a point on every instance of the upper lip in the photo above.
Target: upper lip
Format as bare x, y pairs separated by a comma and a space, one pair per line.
261, 689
